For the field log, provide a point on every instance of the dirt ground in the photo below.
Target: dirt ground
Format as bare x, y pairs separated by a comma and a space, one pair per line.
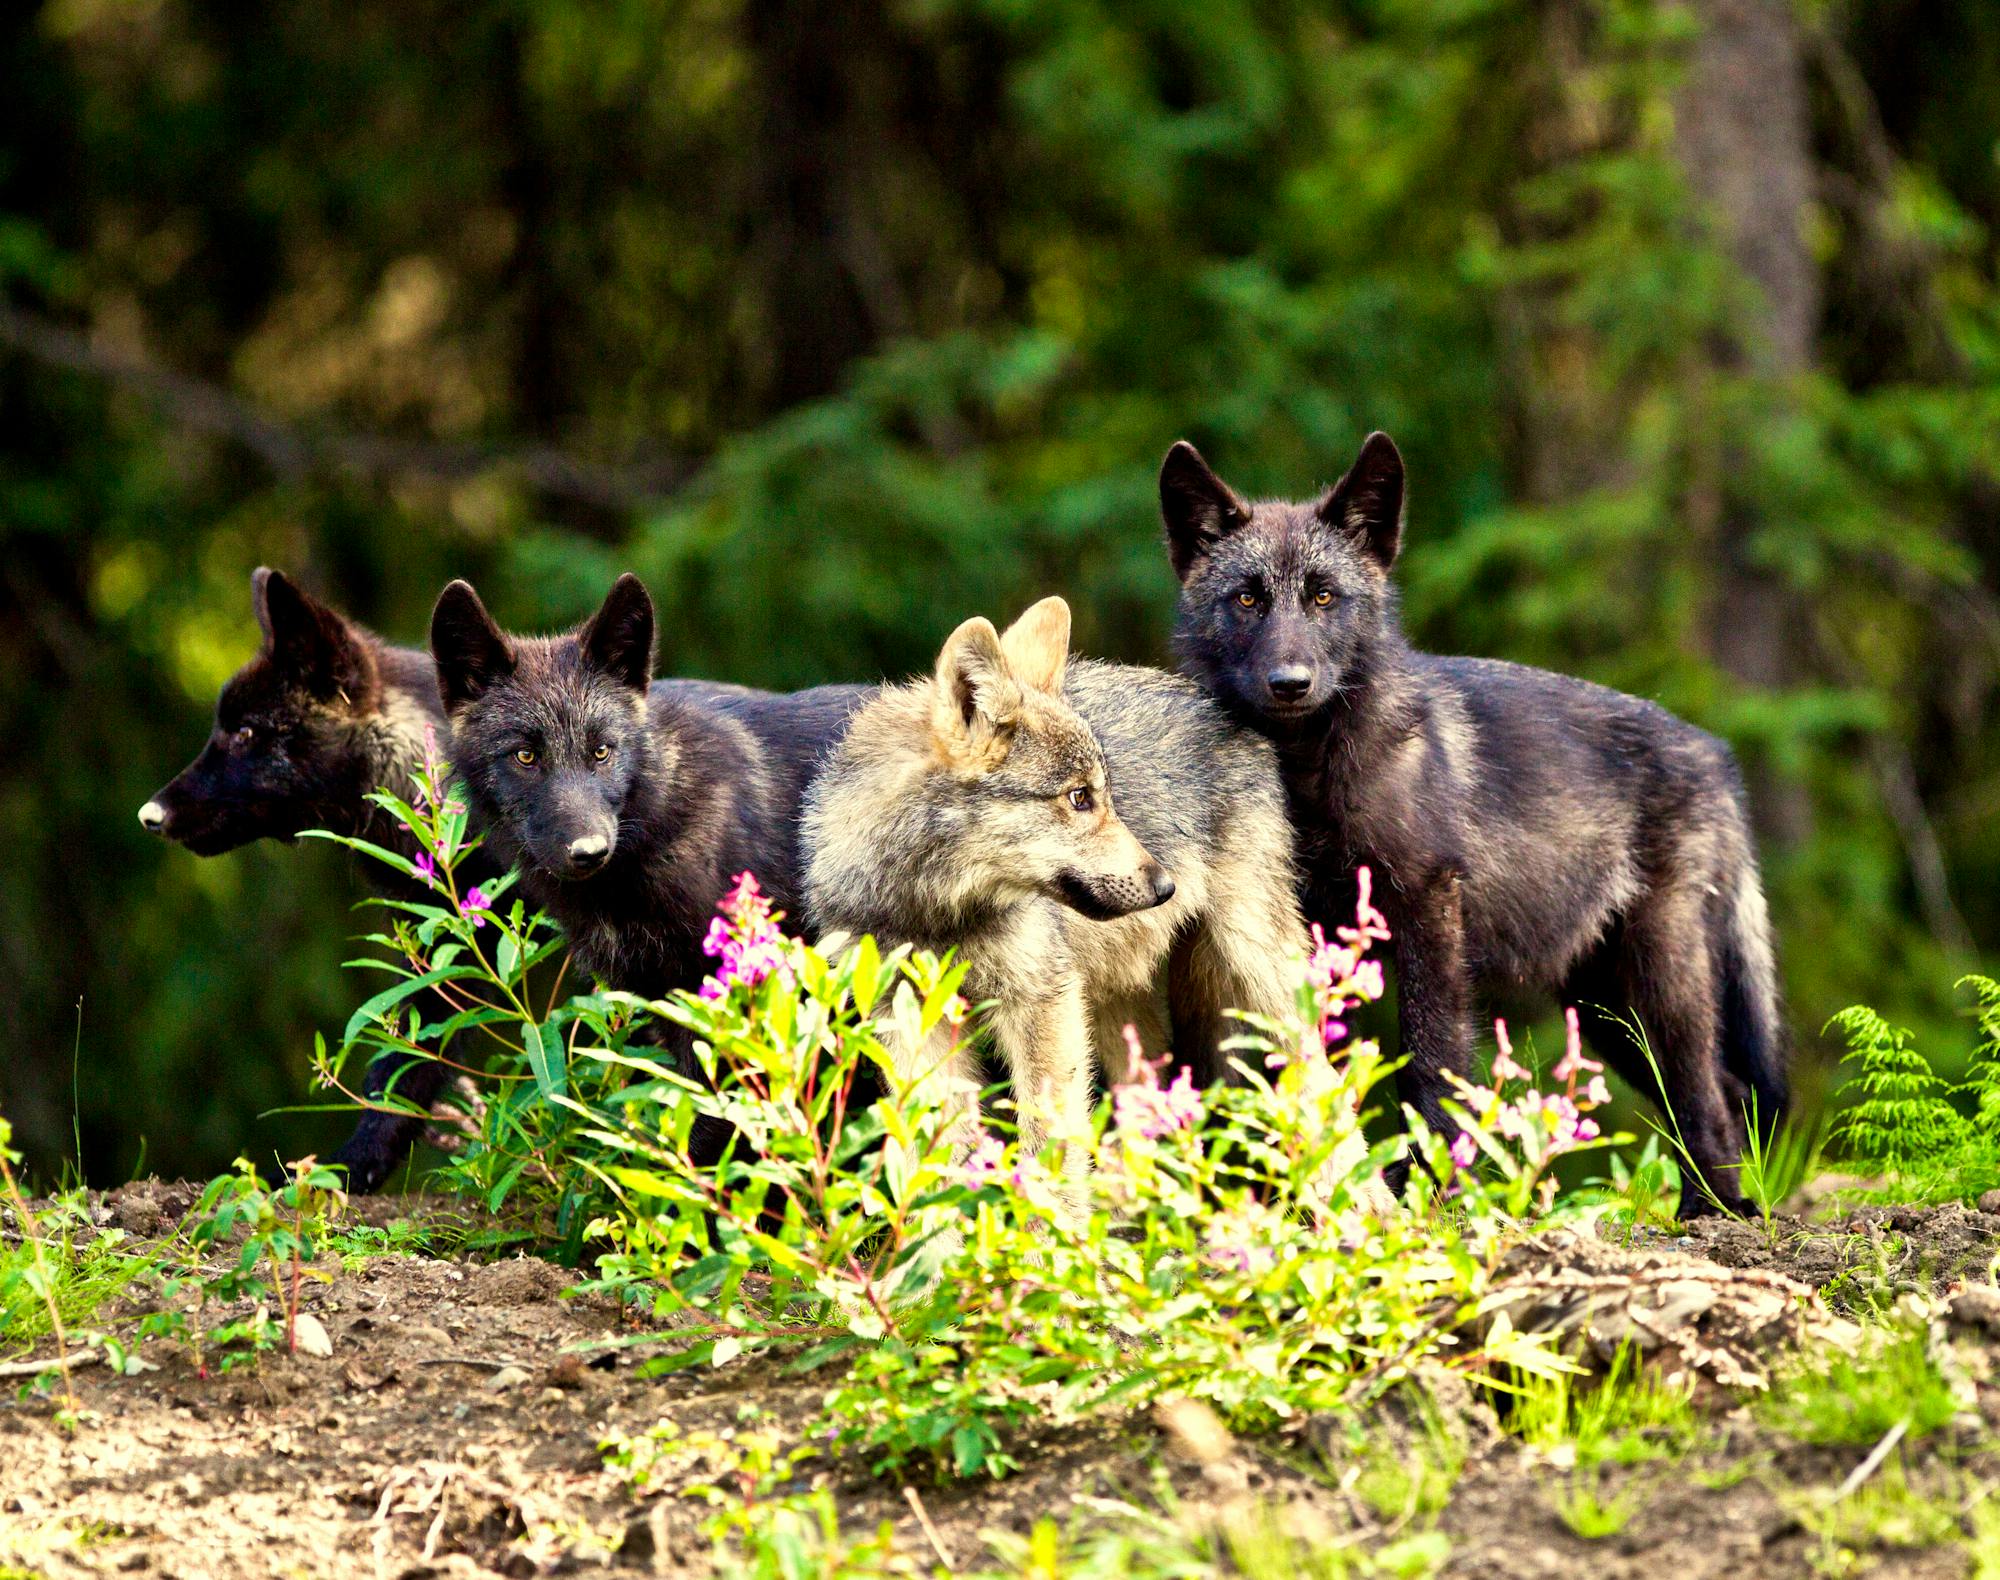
454, 1430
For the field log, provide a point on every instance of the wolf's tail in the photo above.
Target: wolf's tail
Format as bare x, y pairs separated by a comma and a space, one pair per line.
1755, 1044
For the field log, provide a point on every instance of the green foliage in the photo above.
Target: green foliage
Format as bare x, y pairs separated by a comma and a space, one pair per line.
1933, 1141
864, 1217
1592, 1514
1630, 1415
1855, 1399
275, 1235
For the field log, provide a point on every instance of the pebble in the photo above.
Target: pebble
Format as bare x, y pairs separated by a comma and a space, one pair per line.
507, 1377
1990, 1202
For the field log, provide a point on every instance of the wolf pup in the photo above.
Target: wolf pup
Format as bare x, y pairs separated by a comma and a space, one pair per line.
1534, 831
1067, 828
323, 714
628, 811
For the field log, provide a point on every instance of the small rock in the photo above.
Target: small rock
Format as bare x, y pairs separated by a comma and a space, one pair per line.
1973, 1306
507, 1377
426, 1333
1193, 1431
309, 1335
553, 1396
1990, 1202
567, 1372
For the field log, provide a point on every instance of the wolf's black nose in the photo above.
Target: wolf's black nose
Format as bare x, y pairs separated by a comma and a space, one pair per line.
1163, 886
1290, 683
588, 853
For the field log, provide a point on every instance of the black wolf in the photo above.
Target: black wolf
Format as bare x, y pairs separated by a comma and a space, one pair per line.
324, 713
628, 811
1069, 828
1533, 831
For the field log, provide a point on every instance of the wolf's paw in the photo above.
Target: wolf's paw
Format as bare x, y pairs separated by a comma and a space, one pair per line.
1698, 1203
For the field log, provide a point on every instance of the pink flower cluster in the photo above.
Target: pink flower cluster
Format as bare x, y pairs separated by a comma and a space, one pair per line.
1144, 1108
1341, 974
745, 938
987, 1165
1544, 1122
1238, 1241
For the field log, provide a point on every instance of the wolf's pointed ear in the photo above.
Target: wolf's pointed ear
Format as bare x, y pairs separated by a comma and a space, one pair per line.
1368, 502
1037, 645
977, 695
1200, 510
471, 652
312, 646
618, 639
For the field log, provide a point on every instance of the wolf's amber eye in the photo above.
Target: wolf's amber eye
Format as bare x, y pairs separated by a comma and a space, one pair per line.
1247, 599
1323, 597
1081, 800
525, 758
602, 754
246, 735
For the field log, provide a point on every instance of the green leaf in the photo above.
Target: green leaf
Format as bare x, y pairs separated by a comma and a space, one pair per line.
547, 1057
389, 997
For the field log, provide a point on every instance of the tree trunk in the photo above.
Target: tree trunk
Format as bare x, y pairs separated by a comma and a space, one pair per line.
1744, 137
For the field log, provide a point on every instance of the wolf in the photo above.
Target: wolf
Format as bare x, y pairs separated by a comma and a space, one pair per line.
1069, 828
322, 714
628, 808
1533, 831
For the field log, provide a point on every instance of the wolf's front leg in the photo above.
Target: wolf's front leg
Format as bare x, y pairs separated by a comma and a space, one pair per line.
1045, 1039
1433, 994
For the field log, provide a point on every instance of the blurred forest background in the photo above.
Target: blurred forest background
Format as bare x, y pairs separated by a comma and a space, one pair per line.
838, 320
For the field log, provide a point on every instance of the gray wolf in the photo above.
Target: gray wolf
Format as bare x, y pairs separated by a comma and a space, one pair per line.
1530, 831
1069, 828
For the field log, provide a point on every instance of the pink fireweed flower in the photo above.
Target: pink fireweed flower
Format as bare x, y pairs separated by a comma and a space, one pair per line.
1239, 1241
427, 870
1464, 1150
986, 1165
474, 903
1143, 1108
1340, 974
745, 938
1573, 1063
1504, 1067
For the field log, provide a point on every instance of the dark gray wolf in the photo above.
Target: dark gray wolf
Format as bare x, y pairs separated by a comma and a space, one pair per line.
628, 809
1069, 828
1533, 831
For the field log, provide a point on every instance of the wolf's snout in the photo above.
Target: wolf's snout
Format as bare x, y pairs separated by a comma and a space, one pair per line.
588, 853
1290, 682
153, 818
1105, 899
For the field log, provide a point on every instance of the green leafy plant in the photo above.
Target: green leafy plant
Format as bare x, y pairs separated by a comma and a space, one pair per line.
1930, 1139
1589, 1512
266, 1240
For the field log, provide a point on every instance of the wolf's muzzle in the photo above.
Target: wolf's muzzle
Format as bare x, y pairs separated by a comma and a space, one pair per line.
1105, 899
153, 818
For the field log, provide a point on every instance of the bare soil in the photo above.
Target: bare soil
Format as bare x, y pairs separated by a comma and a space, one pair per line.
454, 1430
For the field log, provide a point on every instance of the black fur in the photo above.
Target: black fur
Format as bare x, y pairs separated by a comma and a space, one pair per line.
1527, 830
694, 787
324, 713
